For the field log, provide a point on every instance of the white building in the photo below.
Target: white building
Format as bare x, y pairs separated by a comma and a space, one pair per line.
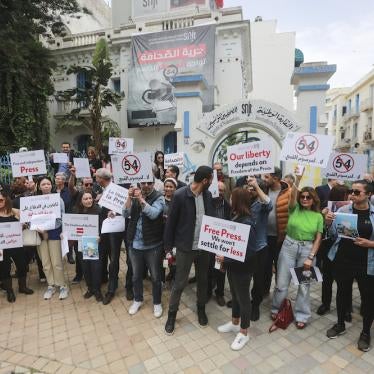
350, 117
254, 79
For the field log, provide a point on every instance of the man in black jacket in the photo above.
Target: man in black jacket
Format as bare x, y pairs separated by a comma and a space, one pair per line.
182, 231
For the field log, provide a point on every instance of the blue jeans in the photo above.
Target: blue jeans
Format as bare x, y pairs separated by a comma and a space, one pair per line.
152, 258
293, 254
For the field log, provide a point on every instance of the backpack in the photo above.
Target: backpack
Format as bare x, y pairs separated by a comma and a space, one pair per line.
284, 316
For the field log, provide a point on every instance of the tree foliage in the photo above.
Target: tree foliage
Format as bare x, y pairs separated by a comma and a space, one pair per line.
92, 99
26, 69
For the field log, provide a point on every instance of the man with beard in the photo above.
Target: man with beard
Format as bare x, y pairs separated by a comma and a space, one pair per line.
182, 231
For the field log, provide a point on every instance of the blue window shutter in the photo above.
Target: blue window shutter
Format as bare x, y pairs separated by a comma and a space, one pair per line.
186, 124
313, 120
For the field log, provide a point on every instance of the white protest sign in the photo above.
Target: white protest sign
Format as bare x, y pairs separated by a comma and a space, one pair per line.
115, 224
224, 238
43, 222
11, 235
60, 158
64, 246
82, 167
347, 166
176, 159
28, 163
307, 149
132, 168
39, 204
74, 226
250, 158
120, 145
114, 198
213, 188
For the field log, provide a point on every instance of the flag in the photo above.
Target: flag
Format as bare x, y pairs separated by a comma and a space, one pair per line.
79, 230
219, 3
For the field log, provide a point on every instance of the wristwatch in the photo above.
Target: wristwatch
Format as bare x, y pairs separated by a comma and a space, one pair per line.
311, 256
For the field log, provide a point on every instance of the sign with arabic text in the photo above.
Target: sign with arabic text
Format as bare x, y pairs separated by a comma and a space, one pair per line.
176, 159
307, 149
10, 235
272, 116
40, 204
346, 166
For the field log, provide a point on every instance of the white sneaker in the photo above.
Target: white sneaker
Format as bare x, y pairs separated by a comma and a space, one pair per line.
64, 293
229, 327
239, 342
49, 293
157, 310
135, 307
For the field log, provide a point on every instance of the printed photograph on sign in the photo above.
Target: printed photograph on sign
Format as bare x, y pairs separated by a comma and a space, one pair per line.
250, 158
120, 145
346, 225
307, 149
90, 247
346, 166
302, 276
334, 206
132, 168
224, 238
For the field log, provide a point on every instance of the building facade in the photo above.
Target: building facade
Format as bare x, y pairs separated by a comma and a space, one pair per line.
252, 90
350, 117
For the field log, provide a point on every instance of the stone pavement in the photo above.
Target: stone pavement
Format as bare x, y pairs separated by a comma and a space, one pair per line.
81, 336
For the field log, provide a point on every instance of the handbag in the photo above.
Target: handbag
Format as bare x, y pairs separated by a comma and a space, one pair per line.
31, 238
284, 316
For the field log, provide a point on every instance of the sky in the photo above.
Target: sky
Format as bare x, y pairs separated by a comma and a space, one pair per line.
336, 31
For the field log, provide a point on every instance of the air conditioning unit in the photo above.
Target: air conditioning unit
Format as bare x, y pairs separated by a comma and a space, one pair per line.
342, 128
347, 140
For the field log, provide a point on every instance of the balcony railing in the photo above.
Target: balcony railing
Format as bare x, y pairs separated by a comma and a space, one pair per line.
66, 106
366, 104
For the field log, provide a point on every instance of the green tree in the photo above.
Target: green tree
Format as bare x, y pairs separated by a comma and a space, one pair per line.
26, 69
94, 97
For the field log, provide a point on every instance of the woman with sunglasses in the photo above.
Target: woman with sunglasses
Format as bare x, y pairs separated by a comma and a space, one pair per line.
50, 249
158, 166
354, 259
304, 234
17, 255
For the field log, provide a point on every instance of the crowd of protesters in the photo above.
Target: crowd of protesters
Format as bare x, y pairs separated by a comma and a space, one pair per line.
290, 228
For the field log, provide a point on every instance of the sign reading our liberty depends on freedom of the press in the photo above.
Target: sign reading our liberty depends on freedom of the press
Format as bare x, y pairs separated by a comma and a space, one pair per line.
224, 238
307, 149
250, 158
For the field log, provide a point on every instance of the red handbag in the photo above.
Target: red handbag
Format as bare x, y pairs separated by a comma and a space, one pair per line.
284, 316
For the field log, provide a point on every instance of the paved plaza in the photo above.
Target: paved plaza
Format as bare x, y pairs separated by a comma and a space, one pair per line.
81, 336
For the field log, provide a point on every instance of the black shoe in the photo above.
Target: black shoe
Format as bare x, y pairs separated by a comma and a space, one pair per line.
88, 294
192, 280
108, 298
170, 323
201, 316
220, 300
129, 294
70, 258
322, 310
363, 343
76, 280
335, 331
348, 317
98, 296
255, 313
22, 288
229, 304
10, 296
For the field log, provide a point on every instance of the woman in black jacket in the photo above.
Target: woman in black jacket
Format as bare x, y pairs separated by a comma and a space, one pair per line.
239, 274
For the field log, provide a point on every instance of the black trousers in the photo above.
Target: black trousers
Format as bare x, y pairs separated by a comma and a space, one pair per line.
19, 258
241, 302
258, 287
344, 278
271, 260
92, 274
30, 254
78, 261
111, 248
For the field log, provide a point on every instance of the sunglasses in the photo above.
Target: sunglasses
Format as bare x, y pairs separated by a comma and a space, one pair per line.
354, 192
305, 197
88, 184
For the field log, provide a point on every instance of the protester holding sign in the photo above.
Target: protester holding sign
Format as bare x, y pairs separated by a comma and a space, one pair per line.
239, 273
144, 208
158, 167
354, 259
304, 234
50, 249
17, 255
91, 268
